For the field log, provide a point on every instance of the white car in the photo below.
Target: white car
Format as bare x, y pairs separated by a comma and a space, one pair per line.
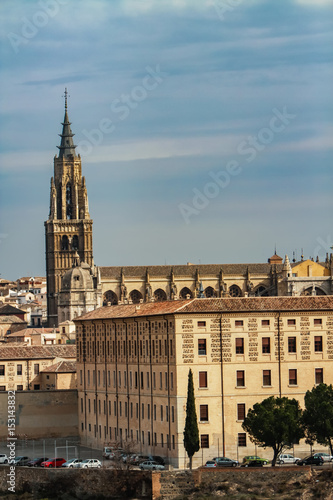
151, 465
72, 462
286, 458
89, 463
3, 459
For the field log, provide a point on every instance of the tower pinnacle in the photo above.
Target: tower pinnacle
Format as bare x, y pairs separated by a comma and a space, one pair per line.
67, 147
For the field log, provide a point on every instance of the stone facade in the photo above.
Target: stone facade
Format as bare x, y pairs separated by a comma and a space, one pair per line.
133, 364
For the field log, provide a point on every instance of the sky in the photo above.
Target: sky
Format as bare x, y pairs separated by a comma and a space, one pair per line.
204, 127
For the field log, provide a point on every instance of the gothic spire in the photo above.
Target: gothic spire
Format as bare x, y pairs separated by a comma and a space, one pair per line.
67, 147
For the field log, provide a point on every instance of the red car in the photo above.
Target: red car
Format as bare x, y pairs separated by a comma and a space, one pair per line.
53, 462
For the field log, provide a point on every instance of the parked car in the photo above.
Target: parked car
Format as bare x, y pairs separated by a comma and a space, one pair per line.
311, 460
158, 459
286, 458
253, 463
71, 463
53, 462
210, 463
325, 456
151, 465
3, 459
138, 459
250, 458
36, 462
225, 462
89, 463
21, 461
111, 452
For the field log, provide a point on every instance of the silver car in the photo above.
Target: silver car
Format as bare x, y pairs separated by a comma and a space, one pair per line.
151, 465
89, 463
325, 456
72, 462
286, 458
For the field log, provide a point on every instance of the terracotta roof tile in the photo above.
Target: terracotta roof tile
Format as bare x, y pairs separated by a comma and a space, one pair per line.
61, 367
8, 351
312, 303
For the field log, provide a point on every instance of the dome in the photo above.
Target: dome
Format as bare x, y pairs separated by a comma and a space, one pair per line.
79, 277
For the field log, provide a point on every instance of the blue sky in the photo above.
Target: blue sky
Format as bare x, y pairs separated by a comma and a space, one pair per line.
166, 97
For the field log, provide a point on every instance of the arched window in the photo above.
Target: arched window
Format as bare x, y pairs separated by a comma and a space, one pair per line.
210, 292
160, 295
184, 292
235, 291
64, 243
261, 291
318, 291
59, 202
68, 201
110, 297
75, 242
135, 296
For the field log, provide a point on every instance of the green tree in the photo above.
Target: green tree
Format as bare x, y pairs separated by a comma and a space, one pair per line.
191, 431
275, 423
318, 415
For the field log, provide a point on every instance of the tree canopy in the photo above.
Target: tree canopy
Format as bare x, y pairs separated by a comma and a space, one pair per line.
275, 423
191, 431
318, 415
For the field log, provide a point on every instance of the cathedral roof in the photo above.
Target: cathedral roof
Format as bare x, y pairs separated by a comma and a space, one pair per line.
186, 270
221, 305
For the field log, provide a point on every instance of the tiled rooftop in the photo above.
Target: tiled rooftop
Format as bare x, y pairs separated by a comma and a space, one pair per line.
312, 303
61, 367
23, 351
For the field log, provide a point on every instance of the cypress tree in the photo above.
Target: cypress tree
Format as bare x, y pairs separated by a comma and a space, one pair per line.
191, 431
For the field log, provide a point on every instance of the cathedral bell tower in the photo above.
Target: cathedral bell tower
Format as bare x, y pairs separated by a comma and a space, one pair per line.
68, 230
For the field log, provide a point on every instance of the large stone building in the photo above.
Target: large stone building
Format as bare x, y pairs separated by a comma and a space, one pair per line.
133, 363
76, 286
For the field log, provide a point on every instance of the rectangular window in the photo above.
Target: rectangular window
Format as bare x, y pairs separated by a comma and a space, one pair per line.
291, 344
141, 380
173, 442
203, 379
2, 370
204, 439
202, 347
19, 388
317, 321
292, 377
240, 411
142, 411
239, 346
154, 380
201, 323
318, 344
162, 440
166, 379
154, 412
319, 375
266, 377
161, 413
36, 387
265, 322
147, 380
148, 411
239, 322
19, 370
36, 368
171, 380
241, 439
266, 345
240, 378
131, 410
136, 380
137, 410
172, 413
203, 413
291, 322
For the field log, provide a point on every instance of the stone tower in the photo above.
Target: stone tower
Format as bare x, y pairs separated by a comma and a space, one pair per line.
68, 230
